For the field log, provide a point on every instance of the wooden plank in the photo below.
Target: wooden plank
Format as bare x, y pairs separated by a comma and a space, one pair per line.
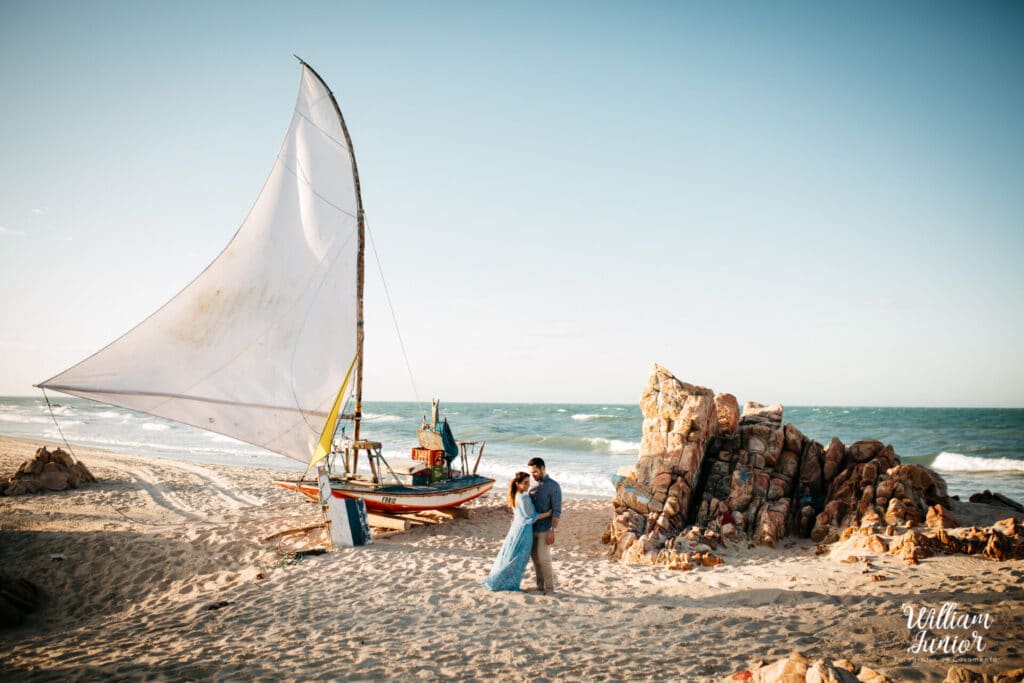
423, 517
387, 521
456, 513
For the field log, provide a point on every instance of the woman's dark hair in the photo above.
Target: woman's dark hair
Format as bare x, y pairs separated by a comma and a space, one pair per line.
520, 476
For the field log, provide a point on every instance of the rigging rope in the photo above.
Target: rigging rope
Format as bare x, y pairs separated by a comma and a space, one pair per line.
394, 318
60, 431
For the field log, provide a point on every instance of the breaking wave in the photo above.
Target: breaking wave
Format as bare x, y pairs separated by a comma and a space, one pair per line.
957, 462
593, 444
381, 418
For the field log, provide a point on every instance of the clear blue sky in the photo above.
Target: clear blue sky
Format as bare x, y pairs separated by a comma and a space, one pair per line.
812, 203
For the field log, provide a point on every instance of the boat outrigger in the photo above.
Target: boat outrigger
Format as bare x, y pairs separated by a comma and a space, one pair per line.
257, 346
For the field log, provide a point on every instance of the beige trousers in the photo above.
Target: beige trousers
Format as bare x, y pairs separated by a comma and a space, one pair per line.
541, 555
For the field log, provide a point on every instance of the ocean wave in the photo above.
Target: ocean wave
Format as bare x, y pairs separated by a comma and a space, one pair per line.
112, 414
957, 462
57, 409
593, 416
23, 419
614, 445
382, 418
155, 427
592, 444
572, 482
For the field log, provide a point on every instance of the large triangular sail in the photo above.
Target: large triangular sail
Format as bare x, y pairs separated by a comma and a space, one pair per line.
257, 345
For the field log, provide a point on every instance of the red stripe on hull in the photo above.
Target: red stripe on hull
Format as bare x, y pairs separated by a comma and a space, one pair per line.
373, 505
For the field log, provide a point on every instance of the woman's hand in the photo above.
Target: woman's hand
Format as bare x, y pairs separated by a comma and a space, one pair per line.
545, 515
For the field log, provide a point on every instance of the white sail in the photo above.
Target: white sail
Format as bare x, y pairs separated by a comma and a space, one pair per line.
258, 345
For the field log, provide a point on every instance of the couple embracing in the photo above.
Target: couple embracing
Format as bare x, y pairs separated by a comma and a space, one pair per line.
537, 511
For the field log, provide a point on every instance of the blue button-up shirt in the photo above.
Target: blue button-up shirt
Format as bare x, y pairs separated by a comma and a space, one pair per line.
547, 495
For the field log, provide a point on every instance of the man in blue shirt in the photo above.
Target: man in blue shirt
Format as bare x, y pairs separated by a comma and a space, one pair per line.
546, 495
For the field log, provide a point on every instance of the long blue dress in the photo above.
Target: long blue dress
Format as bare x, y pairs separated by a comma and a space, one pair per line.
511, 561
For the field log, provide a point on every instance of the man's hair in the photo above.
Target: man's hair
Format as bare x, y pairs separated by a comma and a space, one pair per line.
535, 462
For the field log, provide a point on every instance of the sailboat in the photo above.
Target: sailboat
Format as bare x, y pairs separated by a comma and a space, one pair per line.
266, 344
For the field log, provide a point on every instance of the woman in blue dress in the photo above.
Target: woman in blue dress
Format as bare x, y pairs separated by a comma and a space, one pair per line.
510, 563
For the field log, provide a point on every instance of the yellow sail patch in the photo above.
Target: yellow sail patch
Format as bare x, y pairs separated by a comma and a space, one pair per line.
323, 448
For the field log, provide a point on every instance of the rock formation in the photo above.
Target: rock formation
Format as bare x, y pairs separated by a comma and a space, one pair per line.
704, 465
55, 470
1004, 540
797, 667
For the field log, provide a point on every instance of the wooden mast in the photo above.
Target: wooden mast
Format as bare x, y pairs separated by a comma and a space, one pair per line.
360, 269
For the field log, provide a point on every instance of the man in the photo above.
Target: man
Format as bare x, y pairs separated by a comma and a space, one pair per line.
546, 495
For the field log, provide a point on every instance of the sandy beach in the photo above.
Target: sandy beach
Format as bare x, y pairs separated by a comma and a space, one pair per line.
163, 570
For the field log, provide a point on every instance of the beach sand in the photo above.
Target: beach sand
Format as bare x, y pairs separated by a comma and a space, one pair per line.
160, 570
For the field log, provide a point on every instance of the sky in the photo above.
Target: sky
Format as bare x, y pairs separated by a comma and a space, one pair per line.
802, 202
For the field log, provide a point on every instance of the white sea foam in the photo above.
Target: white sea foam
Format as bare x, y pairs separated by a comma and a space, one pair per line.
24, 419
591, 416
113, 414
155, 427
58, 410
957, 462
381, 418
572, 482
220, 438
614, 445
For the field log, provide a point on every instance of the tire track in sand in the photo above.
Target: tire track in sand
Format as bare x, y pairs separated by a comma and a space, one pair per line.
149, 480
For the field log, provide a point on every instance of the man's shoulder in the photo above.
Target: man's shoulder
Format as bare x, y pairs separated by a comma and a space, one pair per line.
548, 481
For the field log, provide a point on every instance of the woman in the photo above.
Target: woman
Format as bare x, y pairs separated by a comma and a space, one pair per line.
510, 563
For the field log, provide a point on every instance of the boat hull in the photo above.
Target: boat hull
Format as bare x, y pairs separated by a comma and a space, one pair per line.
399, 498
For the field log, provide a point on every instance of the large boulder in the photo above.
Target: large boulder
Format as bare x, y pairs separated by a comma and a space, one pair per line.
679, 421
704, 464
48, 470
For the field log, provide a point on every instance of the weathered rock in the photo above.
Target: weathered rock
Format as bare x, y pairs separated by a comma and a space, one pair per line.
940, 518
988, 498
701, 463
53, 480
771, 523
1009, 676
49, 470
828, 672
679, 421
863, 451
728, 413
868, 675
755, 412
793, 669
961, 674
834, 455
797, 669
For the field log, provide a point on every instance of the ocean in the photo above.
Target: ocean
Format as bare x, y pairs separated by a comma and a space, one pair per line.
583, 445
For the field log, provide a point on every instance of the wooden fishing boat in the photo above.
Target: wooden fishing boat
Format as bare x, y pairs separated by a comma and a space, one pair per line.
399, 498
266, 345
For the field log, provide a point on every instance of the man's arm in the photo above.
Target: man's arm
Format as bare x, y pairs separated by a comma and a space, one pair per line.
556, 506
556, 513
